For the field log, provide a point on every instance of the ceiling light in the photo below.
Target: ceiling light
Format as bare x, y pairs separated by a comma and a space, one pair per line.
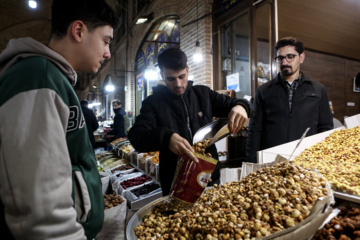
145, 19
94, 104
32, 4
141, 20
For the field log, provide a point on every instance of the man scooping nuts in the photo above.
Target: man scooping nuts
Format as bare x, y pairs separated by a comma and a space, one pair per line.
171, 116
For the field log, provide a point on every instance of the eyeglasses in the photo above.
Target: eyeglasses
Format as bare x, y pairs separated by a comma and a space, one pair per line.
289, 58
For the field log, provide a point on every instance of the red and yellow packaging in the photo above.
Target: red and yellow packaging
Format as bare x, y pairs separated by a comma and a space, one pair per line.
191, 179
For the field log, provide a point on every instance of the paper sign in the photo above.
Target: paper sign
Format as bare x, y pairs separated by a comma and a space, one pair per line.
232, 82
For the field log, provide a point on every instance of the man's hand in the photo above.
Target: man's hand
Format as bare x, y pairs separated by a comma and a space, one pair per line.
181, 146
237, 118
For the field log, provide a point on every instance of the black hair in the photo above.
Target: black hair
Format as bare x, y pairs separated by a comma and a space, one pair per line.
117, 101
84, 102
172, 58
94, 13
290, 41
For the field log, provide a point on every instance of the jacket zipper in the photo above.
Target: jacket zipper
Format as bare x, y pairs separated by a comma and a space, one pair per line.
187, 116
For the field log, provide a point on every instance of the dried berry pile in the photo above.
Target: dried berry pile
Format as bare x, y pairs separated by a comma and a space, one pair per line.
135, 181
346, 226
146, 189
112, 200
264, 202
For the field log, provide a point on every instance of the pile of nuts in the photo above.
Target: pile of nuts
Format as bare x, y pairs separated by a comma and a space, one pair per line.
200, 147
345, 226
112, 200
262, 203
337, 158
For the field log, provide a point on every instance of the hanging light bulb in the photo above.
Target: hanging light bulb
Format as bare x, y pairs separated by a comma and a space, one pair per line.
151, 74
32, 4
109, 87
197, 52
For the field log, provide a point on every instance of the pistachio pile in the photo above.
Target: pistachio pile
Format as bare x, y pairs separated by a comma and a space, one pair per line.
262, 203
337, 158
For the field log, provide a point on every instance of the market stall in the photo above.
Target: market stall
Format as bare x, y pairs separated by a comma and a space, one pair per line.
336, 211
129, 177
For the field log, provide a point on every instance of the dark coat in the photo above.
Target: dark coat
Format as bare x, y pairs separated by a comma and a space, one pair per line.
273, 123
91, 123
165, 113
118, 127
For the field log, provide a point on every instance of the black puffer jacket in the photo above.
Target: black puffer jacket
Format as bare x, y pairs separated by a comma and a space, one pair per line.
165, 113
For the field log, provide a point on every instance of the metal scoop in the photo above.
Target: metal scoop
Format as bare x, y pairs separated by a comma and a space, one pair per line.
297, 145
222, 133
210, 130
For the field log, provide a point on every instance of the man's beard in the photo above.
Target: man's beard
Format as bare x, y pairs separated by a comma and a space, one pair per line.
286, 70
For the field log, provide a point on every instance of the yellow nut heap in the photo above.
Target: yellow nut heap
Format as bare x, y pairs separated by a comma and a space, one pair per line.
337, 158
262, 203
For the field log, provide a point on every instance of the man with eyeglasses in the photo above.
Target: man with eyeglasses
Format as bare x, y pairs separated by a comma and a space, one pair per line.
288, 104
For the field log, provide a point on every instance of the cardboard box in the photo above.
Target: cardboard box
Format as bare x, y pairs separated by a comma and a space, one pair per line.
229, 175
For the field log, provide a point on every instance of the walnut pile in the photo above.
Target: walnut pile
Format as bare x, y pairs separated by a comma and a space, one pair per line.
337, 158
262, 203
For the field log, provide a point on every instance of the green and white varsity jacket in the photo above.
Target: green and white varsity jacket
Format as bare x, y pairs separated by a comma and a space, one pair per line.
49, 184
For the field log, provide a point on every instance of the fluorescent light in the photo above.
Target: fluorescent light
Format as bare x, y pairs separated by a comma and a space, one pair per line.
141, 20
32, 4
145, 19
94, 104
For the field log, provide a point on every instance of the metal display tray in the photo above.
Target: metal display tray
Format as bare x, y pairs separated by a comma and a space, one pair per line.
347, 197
